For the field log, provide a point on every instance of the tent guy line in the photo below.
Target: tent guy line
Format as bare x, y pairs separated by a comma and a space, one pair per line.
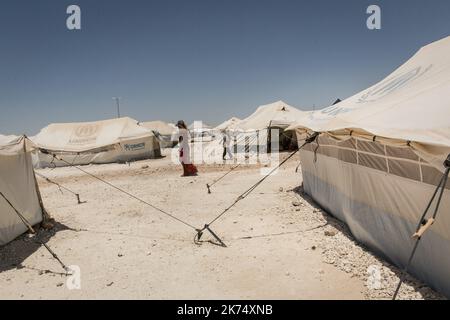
424, 223
28, 225
77, 195
120, 189
197, 238
380, 160
223, 176
208, 186
199, 232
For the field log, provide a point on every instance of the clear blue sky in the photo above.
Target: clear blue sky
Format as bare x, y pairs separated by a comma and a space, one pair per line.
197, 59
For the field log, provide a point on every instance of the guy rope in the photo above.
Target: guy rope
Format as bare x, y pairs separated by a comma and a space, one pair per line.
199, 231
61, 187
30, 228
120, 189
247, 192
424, 223
231, 170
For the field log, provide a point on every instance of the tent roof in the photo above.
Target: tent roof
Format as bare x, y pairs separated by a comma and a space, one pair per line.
411, 104
87, 136
275, 114
6, 140
228, 123
162, 127
12, 145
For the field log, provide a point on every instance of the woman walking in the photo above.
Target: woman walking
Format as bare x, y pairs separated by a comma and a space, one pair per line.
184, 150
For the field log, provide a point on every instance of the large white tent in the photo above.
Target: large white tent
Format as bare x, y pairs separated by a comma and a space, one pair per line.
164, 132
379, 158
115, 140
18, 185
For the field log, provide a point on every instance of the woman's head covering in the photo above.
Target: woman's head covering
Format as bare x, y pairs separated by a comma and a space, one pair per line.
181, 124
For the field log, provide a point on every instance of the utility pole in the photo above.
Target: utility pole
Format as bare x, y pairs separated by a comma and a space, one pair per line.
118, 105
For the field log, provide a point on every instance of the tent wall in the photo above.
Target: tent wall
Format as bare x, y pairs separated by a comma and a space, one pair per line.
126, 151
18, 184
355, 181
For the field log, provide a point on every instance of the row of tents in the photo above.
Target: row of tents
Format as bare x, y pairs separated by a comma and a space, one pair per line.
125, 139
375, 164
116, 140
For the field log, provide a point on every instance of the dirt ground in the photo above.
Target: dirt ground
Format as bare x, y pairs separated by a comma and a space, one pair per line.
280, 245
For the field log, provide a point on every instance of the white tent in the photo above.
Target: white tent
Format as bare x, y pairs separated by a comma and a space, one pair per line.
116, 140
253, 136
278, 114
379, 158
164, 132
256, 129
228, 124
18, 185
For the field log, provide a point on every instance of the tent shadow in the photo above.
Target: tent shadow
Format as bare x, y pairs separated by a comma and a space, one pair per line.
13, 254
417, 285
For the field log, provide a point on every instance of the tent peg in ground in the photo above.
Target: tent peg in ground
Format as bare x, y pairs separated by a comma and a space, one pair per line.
200, 234
78, 199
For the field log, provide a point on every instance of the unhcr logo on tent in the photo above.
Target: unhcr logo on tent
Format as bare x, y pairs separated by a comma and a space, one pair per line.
86, 130
393, 84
85, 134
385, 88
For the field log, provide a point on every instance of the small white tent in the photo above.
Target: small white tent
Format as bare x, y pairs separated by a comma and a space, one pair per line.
256, 129
116, 140
163, 131
18, 185
379, 158
228, 124
252, 136
278, 114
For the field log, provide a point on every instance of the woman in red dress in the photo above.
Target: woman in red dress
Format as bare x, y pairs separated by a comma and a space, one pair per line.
184, 150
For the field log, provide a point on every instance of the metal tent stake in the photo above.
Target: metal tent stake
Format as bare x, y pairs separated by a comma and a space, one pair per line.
206, 227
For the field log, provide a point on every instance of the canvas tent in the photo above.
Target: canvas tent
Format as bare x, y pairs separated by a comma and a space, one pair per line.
256, 129
116, 140
228, 124
379, 158
163, 131
252, 136
18, 185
